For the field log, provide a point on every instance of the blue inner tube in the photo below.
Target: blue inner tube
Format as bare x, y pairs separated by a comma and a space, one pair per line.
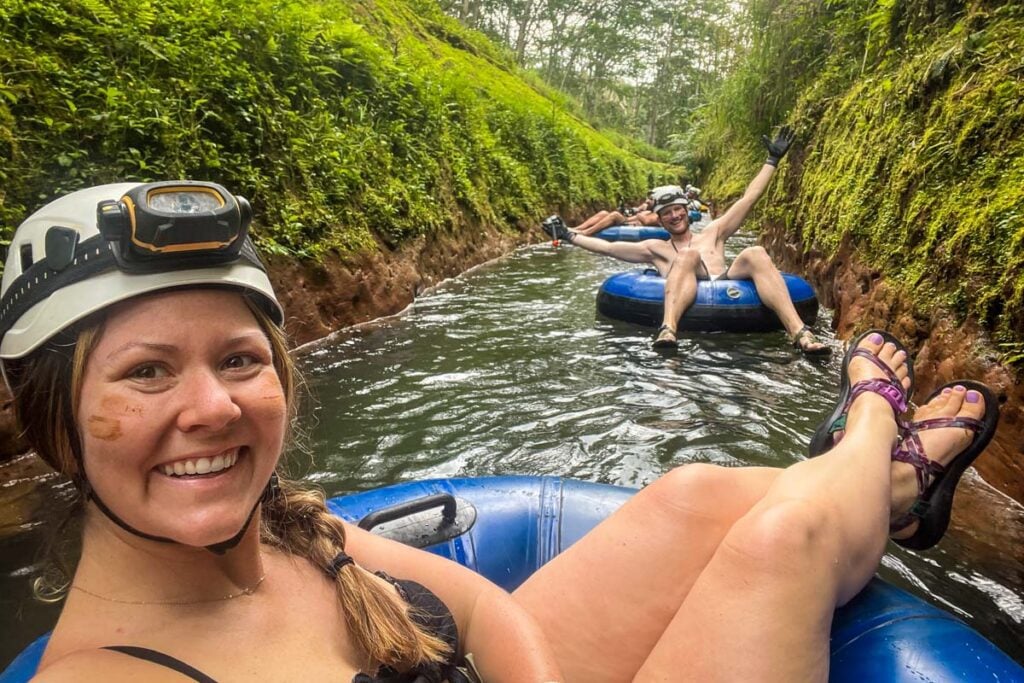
632, 233
638, 297
507, 527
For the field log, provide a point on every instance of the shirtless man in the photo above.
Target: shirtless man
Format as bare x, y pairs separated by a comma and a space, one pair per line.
688, 257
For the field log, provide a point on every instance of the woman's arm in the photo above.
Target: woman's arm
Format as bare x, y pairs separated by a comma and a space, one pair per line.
506, 642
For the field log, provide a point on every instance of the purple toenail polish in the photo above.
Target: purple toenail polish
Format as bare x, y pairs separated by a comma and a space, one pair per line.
875, 338
947, 390
959, 387
973, 396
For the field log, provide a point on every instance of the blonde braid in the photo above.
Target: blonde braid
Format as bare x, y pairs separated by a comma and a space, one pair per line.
298, 522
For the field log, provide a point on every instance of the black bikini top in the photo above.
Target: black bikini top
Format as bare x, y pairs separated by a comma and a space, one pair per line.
428, 611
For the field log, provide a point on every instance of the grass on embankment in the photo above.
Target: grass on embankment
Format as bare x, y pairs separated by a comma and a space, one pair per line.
346, 124
911, 119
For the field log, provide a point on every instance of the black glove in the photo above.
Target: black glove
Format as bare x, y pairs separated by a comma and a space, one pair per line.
778, 147
555, 226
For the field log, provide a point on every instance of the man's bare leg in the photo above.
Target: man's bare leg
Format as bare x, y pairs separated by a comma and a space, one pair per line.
680, 293
754, 263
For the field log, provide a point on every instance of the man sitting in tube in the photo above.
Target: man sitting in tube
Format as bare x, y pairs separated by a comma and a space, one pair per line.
688, 256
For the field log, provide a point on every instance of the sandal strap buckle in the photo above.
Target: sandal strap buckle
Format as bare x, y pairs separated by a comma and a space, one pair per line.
892, 392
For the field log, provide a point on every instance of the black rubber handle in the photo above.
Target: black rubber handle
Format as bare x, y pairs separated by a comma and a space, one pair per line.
390, 514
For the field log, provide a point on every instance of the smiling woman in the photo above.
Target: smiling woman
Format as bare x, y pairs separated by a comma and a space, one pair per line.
143, 346
180, 396
201, 400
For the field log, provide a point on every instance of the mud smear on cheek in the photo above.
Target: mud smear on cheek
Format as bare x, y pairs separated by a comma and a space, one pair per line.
103, 428
107, 427
116, 406
272, 395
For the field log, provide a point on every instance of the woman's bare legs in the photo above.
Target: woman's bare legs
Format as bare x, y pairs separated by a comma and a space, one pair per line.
590, 222
762, 608
599, 221
608, 600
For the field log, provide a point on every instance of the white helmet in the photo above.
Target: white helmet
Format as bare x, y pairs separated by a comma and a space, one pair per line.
667, 195
95, 247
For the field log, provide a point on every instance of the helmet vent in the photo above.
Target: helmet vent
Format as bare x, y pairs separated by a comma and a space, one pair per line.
26, 256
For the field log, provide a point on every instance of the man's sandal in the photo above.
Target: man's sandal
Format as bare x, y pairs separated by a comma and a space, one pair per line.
935, 500
660, 343
801, 335
825, 436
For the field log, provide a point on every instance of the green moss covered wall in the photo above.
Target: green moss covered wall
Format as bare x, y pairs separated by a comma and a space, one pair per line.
911, 123
347, 124
921, 163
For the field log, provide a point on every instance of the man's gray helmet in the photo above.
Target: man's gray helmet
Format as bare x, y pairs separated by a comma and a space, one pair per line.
61, 266
667, 196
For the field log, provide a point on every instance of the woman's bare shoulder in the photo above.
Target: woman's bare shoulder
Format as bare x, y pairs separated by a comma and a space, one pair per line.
97, 664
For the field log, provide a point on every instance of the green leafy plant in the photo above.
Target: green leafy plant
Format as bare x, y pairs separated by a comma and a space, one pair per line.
910, 116
348, 125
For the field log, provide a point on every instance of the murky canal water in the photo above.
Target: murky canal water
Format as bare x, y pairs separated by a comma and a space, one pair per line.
506, 370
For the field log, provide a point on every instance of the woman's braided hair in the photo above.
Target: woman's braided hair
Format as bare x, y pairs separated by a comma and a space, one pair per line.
296, 520
46, 387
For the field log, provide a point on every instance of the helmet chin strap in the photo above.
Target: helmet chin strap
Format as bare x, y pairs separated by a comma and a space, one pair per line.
270, 491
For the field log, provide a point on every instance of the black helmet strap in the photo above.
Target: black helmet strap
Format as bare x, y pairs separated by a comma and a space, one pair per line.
86, 260
269, 491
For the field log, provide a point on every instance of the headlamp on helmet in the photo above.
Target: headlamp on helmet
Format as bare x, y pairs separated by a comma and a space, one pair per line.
195, 224
97, 246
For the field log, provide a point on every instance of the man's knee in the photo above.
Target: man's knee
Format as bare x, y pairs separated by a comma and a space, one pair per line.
756, 257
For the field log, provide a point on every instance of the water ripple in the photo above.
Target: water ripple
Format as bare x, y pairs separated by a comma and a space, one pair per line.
508, 371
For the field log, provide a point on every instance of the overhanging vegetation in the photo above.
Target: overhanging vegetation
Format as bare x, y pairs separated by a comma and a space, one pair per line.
346, 124
911, 121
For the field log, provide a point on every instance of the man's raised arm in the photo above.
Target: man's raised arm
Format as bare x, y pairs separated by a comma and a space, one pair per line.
730, 221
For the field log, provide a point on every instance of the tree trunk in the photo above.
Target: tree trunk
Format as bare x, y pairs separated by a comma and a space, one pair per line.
525, 22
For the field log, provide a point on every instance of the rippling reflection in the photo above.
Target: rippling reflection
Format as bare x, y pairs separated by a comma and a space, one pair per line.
508, 371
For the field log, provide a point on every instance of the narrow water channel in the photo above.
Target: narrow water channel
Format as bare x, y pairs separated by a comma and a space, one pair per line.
507, 370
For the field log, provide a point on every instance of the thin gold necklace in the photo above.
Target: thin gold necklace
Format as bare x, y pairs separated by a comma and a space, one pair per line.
245, 591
